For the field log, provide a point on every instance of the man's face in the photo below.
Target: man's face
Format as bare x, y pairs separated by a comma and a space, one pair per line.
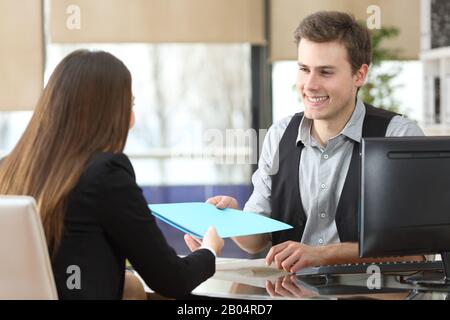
325, 81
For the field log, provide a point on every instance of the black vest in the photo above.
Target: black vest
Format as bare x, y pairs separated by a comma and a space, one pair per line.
286, 200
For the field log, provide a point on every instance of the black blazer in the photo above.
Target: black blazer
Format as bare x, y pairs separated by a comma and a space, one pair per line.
107, 221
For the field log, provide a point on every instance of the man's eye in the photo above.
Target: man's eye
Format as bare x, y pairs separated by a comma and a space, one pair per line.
304, 69
327, 73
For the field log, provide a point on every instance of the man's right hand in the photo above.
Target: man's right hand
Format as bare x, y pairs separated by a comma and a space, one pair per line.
222, 202
251, 243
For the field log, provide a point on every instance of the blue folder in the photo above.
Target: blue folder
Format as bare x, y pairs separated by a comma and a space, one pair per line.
194, 218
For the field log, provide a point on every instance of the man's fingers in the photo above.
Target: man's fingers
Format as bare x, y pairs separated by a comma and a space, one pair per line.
292, 287
214, 200
223, 203
298, 265
278, 254
289, 261
280, 290
273, 251
270, 289
280, 258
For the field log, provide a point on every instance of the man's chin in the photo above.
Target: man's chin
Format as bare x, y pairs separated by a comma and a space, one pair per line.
314, 115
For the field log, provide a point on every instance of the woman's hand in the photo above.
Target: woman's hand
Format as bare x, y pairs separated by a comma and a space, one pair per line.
211, 239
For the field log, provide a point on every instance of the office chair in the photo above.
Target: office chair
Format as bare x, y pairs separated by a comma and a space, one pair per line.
25, 269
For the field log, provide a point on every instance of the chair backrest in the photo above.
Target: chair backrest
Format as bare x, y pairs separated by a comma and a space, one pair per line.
25, 268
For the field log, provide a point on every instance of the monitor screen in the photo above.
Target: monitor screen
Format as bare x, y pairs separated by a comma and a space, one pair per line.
405, 196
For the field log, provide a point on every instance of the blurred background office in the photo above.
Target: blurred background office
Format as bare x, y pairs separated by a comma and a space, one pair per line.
210, 76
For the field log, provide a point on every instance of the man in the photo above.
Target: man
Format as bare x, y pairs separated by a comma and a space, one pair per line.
307, 173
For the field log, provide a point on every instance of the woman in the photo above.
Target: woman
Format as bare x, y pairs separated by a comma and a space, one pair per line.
94, 215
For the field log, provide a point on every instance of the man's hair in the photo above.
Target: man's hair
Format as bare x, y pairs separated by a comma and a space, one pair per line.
327, 26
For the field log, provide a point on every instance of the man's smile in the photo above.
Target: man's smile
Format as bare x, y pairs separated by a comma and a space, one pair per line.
316, 101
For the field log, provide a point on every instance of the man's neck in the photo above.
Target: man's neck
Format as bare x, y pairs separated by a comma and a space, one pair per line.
324, 130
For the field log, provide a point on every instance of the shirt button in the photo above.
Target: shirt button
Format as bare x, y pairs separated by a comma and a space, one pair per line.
323, 186
323, 215
325, 156
320, 241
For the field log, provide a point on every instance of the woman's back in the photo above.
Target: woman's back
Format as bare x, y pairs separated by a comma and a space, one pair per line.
106, 221
70, 160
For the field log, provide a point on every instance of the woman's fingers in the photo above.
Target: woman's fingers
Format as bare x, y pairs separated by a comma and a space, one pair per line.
192, 243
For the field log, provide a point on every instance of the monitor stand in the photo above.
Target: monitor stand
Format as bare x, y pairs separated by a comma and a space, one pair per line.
433, 278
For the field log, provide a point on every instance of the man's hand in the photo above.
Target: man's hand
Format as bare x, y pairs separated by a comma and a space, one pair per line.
287, 287
252, 243
292, 256
222, 202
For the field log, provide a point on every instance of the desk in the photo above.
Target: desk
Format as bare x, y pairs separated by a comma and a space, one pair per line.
246, 279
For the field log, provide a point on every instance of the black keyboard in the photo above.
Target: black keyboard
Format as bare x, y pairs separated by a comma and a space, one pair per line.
385, 267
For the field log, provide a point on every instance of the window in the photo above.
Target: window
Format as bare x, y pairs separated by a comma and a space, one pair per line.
183, 93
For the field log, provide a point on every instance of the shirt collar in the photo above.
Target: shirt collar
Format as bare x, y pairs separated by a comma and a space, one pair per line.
352, 130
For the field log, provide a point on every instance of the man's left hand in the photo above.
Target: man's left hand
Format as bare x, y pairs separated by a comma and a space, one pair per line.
291, 256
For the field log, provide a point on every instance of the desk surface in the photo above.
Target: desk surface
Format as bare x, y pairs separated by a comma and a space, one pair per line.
245, 279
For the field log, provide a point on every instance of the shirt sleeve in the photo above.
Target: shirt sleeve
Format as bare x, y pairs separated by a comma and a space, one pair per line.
402, 127
259, 201
134, 234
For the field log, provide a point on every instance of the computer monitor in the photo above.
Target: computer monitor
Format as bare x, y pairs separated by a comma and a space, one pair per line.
404, 204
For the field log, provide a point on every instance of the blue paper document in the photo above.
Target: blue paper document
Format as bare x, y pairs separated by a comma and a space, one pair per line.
194, 218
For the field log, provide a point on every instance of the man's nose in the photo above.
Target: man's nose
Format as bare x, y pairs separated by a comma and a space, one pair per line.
312, 82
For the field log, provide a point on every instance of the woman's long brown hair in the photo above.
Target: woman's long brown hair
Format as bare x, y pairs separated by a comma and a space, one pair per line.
85, 108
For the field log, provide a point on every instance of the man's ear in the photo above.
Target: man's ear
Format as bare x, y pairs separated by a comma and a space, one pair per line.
361, 75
